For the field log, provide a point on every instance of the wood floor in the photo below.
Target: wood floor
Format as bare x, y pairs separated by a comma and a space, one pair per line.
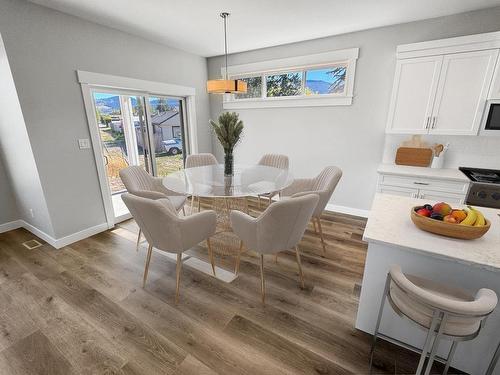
82, 310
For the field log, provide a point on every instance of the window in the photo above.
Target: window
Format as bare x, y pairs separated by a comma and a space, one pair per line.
321, 79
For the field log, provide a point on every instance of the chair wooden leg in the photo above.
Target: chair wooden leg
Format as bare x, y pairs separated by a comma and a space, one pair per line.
183, 211
314, 224
301, 275
146, 268
192, 204
211, 255
178, 269
321, 236
258, 200
262, 282
199, 204
138, 240
276, 258
237, 265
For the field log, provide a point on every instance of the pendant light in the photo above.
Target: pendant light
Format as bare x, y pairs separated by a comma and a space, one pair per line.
226, 85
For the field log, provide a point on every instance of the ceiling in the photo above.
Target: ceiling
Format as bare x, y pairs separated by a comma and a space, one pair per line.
195, 25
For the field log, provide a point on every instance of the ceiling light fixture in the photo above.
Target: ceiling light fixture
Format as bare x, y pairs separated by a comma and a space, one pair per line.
226, 85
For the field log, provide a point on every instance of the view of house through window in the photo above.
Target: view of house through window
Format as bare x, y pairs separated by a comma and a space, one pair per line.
126, 137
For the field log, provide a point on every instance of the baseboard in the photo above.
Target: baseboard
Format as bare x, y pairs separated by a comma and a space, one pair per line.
55, 242
65, 241
11, 225
347, 210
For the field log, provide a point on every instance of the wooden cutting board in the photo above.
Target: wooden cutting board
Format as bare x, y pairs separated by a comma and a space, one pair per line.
417, 157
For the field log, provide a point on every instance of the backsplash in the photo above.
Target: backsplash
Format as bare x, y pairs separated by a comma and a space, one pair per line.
470, 151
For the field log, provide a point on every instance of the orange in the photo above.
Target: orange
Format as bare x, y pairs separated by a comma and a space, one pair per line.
459, 215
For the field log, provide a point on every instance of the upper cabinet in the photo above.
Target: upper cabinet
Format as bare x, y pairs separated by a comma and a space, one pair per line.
441, 93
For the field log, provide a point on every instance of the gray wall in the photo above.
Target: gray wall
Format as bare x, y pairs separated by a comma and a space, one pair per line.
17, 154
351, 137
45, 48
8, 207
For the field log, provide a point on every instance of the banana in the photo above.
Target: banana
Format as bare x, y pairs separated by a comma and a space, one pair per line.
480, 218
471, 217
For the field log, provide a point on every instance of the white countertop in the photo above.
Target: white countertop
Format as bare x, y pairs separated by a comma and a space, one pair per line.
389, 223
438, 173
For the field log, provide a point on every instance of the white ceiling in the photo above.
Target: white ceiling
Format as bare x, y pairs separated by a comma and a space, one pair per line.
195, 25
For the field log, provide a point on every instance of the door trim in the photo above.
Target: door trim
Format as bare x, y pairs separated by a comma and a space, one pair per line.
125, 85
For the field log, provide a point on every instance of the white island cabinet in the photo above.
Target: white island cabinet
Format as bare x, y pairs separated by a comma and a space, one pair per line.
393, 239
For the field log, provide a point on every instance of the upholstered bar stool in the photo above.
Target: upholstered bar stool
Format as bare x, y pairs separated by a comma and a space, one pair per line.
445, 312
199, 160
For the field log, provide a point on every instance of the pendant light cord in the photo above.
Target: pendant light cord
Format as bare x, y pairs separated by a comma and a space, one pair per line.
224, 16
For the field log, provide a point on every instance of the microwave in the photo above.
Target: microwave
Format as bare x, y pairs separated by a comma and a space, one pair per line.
491, 118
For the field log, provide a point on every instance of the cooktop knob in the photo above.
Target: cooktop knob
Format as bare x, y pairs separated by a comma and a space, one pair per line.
496, 196
482, 194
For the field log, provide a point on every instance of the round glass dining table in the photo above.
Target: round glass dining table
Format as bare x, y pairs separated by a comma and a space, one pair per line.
227, 193
210, 181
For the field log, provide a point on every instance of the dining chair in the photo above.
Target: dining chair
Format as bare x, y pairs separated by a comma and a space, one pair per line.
444, 311
199, 160
279, 227
166, 231
139, 182
324, 185
276, 161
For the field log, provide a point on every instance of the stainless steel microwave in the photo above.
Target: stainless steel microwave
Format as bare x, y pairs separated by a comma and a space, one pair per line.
491, 119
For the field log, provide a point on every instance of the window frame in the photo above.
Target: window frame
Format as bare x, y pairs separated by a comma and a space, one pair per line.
302, 64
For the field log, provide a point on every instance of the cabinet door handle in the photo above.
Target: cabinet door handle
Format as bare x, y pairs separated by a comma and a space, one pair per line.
420, 183
434, 120
422, 196
428, 122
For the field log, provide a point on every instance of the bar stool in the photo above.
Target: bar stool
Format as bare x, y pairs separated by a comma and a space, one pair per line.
494, 361
445, 312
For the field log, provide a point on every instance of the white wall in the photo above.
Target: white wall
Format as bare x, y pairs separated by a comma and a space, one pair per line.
8, 206
45, 48
350, 137
18, 156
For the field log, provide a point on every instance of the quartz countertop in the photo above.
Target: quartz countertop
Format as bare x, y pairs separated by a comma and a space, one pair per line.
438, 173
389, 223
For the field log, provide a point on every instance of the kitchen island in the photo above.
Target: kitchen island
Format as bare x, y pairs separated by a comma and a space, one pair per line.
471, 264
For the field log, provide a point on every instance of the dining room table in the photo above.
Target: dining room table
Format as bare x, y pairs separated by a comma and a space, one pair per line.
226, 193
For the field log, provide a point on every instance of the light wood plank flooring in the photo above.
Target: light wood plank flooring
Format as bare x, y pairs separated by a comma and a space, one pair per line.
82, 310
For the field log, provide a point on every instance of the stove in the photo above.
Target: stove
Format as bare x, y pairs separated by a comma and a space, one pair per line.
484, 189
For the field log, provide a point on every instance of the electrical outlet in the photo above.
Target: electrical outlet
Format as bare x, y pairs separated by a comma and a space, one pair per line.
84, 143
32, 213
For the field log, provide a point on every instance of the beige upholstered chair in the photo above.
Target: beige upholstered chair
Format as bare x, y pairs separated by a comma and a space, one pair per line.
323, 184
166, 231
444, 311
141, 183
199, 160
276, 161
279, 227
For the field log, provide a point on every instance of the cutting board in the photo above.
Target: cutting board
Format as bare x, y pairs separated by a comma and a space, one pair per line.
417, 157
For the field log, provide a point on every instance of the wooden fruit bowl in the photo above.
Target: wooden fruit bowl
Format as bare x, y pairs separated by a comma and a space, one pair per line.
464, 232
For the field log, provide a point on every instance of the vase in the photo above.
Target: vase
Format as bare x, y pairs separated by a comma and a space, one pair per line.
228, 164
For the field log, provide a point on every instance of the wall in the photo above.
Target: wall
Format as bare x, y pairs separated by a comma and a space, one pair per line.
17, 155
45, 48
350, 137
8, 207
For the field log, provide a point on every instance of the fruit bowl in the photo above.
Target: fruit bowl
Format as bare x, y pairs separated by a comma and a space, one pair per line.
465, 232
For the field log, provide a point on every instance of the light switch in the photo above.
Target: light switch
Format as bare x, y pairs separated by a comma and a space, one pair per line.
84, 143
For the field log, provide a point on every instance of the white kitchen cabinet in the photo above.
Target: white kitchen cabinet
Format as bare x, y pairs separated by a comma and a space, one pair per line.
443, 93
416, 182
462, 91
413, 94
495, 85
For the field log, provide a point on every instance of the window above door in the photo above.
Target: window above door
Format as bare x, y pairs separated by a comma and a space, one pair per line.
324, 79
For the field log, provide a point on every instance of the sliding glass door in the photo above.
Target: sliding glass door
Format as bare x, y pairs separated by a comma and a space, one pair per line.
142, 130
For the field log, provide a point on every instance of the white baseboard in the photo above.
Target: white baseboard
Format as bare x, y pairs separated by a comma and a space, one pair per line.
11, 225
55, 242
347, 210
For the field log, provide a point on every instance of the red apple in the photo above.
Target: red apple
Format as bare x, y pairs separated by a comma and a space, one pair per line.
442, 208
423, 212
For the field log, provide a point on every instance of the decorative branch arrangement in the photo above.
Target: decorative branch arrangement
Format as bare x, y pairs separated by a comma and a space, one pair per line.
228, 131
